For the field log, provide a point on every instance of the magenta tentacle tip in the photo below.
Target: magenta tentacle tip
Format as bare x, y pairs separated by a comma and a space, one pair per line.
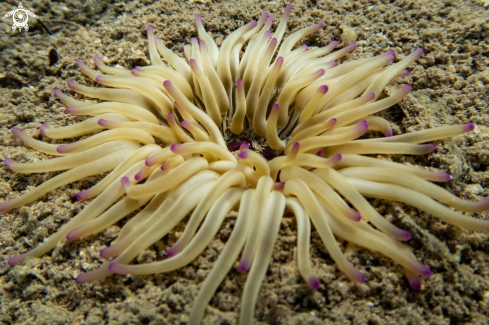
370, 96
426, 272
97, 60
9, 162
356, 216
320, 25
388, 133
82, 278
70, 109
405, 235
167, 83
71, 84
139, 176
102, 122
202, 43
105, 253
113, 267
321, 153
98, 79
149, 29
469, 127
174, 148
360, 277
415, 284
72, 235
58, 92
43, 127
17, 132
313, 282
14, 260
125, 182
243, 266
172, 251
243, 154
82, 196
323, 89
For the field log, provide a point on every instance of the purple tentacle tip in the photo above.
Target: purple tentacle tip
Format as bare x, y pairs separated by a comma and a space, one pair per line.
243, 266
174, 148
172, 251
9, 162
125, 182
426, 272
44, 127
83, 195
388, 133
102, 252
313, 282
356, 216
72, 235
323, 89
149, 28
361, 277
14, 260
469, 127
243, 154
415, 284
113, 267
17, 132
405, 235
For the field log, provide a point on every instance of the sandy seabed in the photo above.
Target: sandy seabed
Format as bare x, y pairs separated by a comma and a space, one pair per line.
450, 86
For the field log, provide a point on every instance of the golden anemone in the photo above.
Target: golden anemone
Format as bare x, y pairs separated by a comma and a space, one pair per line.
297, 102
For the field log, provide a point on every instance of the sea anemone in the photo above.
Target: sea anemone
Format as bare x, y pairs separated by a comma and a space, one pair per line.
178, 144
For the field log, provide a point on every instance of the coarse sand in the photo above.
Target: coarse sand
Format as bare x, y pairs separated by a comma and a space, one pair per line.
450, 86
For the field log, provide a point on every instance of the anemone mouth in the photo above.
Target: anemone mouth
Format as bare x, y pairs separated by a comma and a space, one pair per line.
292, 118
